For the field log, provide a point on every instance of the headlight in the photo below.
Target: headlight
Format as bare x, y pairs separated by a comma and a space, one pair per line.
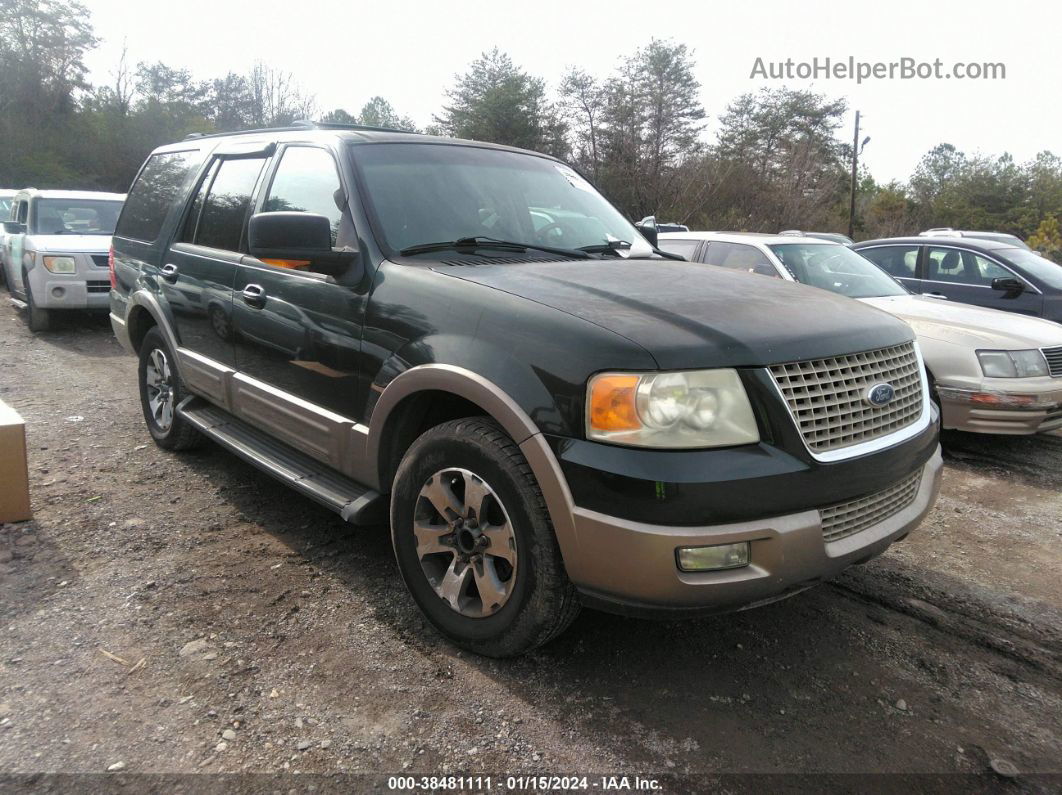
696, 408
1012, 364
60, 264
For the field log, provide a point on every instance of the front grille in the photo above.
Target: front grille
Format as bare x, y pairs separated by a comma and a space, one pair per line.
100, 260
848, 518
825, 396
98, 287
1054, 360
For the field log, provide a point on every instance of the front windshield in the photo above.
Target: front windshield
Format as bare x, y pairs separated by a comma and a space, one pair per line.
5, 208
432, 193
76, 216
836, 268
1050, 273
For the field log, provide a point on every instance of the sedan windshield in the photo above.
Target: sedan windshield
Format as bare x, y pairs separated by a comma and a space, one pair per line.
422, 194
76, 216
836, 268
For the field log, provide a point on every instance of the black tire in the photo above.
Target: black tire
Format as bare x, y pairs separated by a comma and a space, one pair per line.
39, 319
178, 434
542, 601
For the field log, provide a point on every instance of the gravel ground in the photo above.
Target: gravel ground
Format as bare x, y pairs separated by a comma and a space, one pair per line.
181, 613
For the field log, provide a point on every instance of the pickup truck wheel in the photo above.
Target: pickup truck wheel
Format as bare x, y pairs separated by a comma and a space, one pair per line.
160, 392
474, 542
39, 319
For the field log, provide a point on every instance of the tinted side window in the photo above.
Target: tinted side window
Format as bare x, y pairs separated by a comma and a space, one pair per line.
740, 257
306, 181
192, 220
684, 248
23, 212
154, 192
899, 261
225, 208
963, 267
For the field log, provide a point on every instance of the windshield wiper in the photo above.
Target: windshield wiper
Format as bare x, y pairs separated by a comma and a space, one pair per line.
609, 247
490, 242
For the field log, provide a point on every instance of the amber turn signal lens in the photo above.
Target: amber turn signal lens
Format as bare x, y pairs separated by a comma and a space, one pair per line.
612, 403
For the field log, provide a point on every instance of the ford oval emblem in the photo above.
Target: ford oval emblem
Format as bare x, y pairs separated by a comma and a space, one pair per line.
880, 395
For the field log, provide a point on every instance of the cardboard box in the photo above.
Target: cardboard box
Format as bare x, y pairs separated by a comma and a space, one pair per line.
14, 472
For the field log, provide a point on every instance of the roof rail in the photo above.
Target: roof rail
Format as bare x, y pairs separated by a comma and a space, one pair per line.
302, 124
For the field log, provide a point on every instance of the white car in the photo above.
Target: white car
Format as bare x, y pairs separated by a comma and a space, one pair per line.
993, 372
56, 248
6, 197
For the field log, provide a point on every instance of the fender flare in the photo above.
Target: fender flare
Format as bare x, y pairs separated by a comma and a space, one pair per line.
506, 412
149, 303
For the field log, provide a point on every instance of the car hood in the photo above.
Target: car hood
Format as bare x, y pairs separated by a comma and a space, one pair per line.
688, 315
62, 244
963, 324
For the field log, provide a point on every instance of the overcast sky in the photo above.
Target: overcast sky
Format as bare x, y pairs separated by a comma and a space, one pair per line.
409, 52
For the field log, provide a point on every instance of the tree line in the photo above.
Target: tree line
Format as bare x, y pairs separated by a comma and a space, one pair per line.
776, 160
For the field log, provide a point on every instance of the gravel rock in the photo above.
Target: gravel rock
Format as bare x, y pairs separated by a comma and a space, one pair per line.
116, 767
194, 647
228, 734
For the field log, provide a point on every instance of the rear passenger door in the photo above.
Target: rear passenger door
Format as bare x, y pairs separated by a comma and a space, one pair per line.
297, 332
900, 262
199, 269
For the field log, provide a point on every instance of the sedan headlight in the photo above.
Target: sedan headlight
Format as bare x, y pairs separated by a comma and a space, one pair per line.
695, 408
60, 264
1012, 364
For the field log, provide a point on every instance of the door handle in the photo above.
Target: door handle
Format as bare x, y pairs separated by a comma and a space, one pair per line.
254, 295
169, 273
941, 296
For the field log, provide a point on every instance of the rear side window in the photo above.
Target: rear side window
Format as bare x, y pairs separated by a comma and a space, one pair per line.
226, 203
901, 261
684, 248
155, 191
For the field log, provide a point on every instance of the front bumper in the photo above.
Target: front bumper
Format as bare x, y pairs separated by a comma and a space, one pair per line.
88, 288
636, 570
1004, 406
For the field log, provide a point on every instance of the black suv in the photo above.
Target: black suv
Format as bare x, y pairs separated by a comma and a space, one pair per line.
468, 341
992, 273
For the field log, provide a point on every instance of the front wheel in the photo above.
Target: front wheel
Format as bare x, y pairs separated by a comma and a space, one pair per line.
161, 391
39, 319
474, 542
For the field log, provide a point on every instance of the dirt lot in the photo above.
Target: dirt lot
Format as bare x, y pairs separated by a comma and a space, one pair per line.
276, 638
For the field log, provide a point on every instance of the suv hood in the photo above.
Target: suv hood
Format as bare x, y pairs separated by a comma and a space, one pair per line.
64, 244
963, 324
688, 315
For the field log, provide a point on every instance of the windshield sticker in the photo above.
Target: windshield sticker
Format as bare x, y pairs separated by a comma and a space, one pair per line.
574, 179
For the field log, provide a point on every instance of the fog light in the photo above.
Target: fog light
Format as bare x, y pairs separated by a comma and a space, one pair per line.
722, 556
58, 292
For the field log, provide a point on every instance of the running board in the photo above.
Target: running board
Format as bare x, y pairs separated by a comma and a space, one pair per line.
18, 304
355, 503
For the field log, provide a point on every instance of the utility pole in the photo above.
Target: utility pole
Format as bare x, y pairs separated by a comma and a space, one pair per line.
855, 164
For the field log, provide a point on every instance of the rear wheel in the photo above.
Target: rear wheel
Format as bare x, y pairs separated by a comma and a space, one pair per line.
39, 319
474, 542
161, 391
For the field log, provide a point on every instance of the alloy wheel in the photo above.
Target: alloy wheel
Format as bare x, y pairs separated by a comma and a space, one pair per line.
465, 542
159, 381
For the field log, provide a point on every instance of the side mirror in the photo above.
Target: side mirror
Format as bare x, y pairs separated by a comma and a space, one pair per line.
14, 228
647, 226
1009, 285
297, 237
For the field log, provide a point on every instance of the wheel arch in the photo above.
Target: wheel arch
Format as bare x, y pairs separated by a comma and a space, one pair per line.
398, 416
